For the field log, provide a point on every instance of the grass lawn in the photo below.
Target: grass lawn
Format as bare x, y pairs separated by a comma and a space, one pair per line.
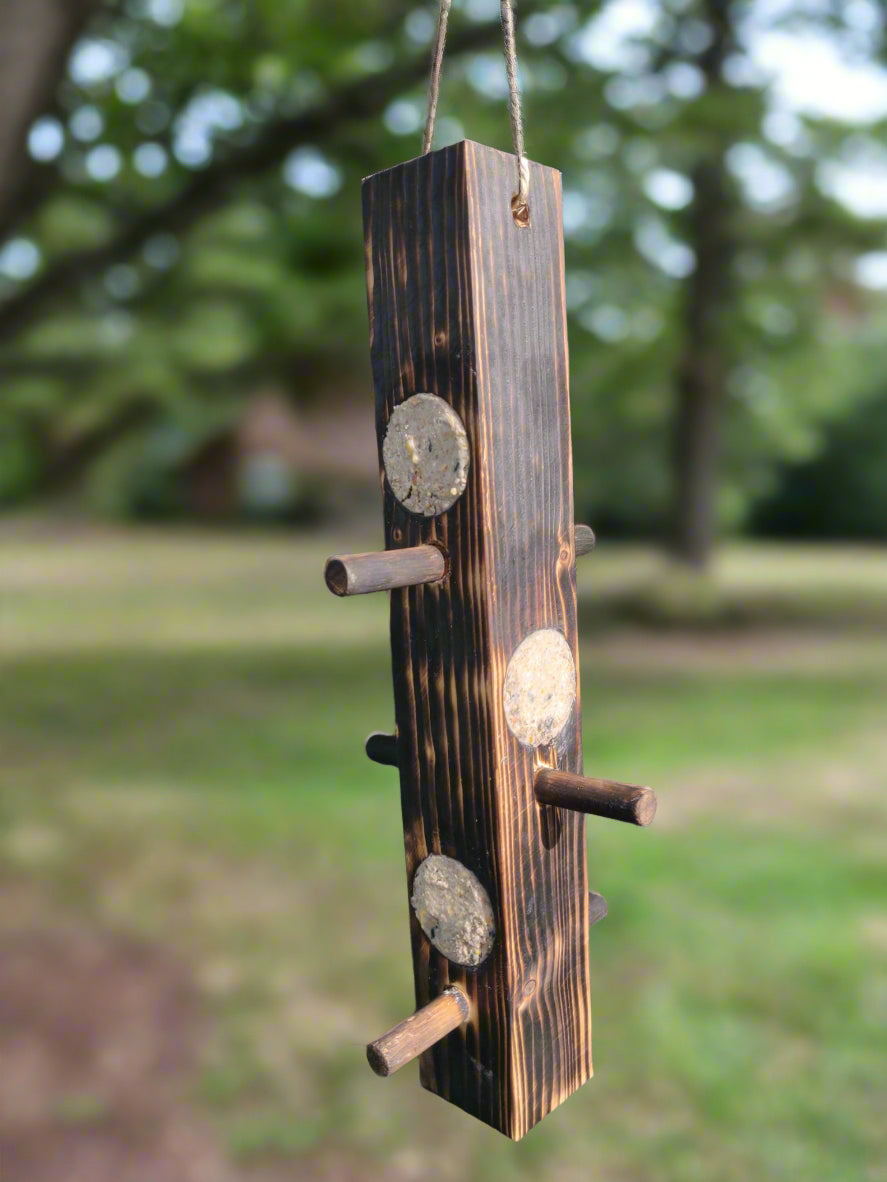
182, 725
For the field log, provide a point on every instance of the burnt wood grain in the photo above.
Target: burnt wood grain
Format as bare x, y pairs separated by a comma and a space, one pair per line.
469, 306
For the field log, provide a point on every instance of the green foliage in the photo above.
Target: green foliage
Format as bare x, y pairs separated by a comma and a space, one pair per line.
841, 492
20, 465
269, 288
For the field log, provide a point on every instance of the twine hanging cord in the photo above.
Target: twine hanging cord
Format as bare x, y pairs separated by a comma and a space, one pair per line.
520, 204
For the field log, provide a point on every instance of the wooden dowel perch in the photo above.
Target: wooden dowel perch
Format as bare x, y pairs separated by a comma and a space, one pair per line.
604, 798
357, 574
584, 539
382, 748
597, 908
419, 1032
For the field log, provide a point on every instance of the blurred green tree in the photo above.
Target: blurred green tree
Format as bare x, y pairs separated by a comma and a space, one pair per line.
191, 227
840, 493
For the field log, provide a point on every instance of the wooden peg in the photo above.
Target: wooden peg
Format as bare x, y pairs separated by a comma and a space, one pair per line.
604, 798
585, 540
419, 1032
597, 908
357, 574
382, 748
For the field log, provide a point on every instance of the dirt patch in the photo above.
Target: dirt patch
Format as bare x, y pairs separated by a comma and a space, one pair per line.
103, 1041
99, 1037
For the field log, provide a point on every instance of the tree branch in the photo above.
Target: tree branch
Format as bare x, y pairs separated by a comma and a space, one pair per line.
35, 39
211, 187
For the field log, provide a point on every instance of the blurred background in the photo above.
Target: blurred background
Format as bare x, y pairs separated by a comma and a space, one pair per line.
203, 914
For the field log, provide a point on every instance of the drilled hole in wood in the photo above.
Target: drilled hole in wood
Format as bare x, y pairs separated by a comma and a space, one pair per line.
520, 211
336, 576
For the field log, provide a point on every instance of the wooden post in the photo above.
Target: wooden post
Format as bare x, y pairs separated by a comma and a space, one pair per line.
467, 309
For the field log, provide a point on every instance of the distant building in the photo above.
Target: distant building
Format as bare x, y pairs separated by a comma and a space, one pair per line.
277, 459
